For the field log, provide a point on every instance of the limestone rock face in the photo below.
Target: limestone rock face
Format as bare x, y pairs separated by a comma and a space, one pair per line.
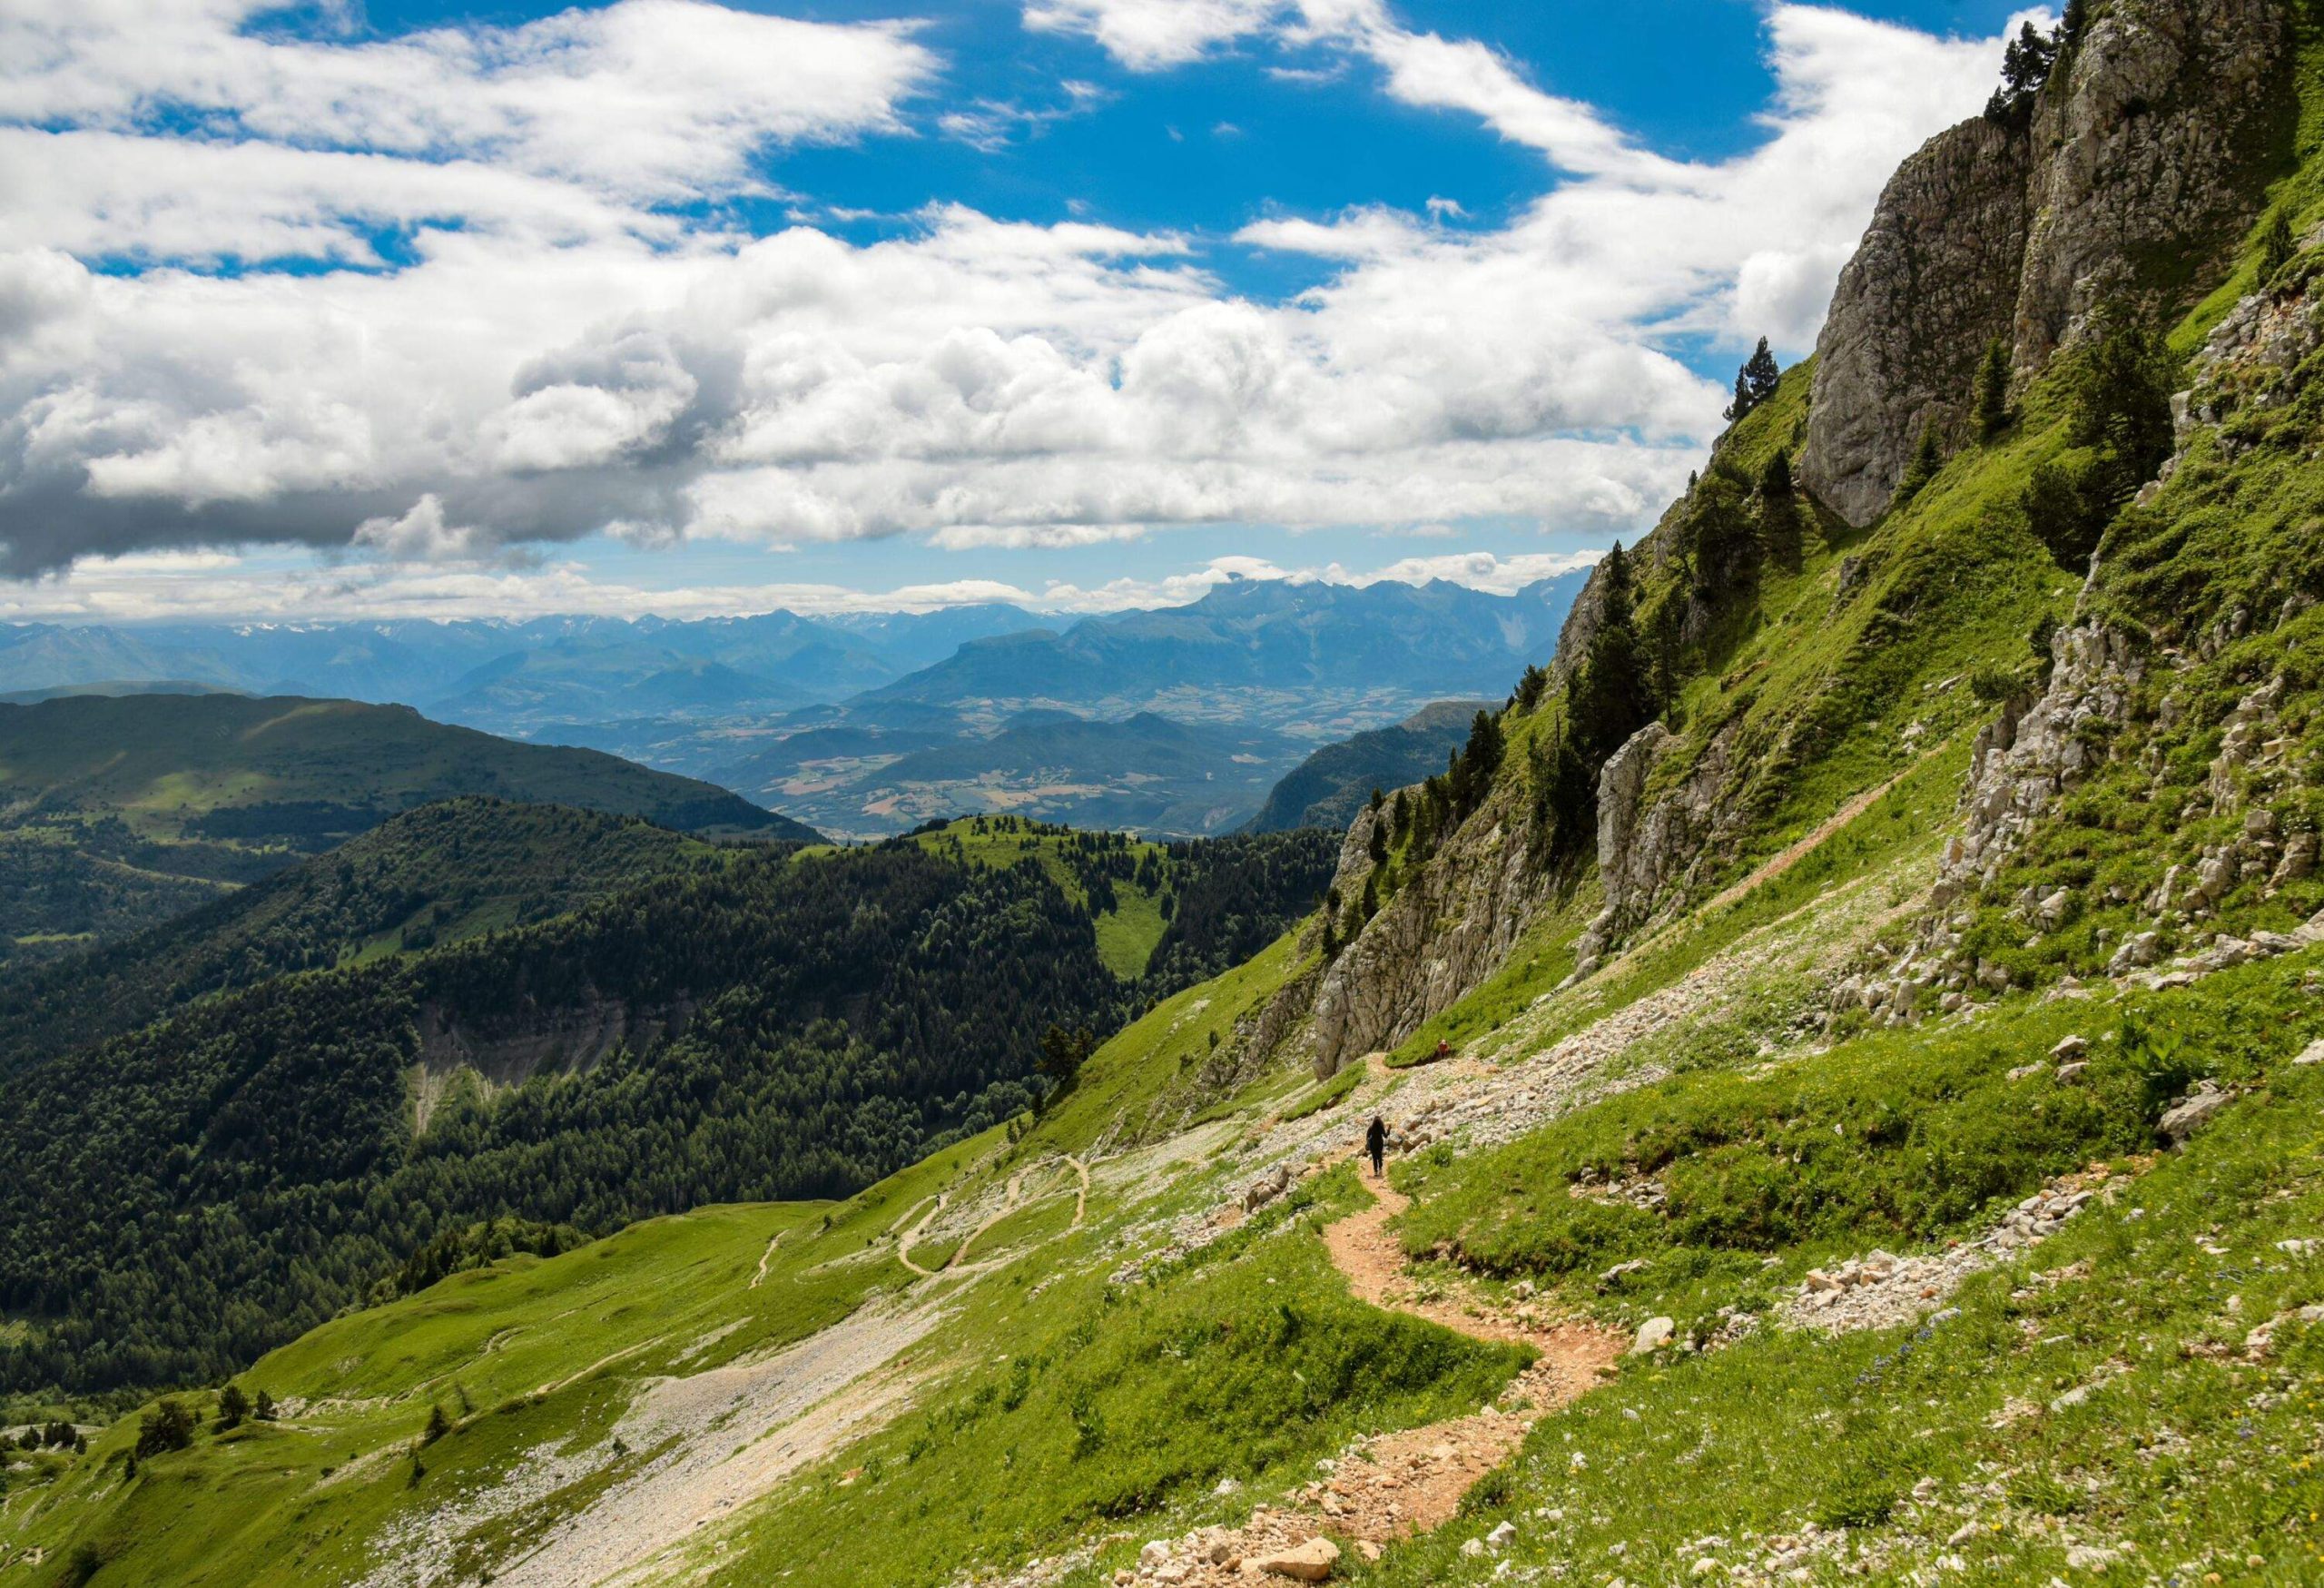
2028, 758
1935, 278
1446, 930
2145, 152
2139, 163
1652, 855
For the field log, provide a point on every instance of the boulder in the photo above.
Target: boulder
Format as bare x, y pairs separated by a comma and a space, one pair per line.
2191, 1112
1653, 1334
1311, 1561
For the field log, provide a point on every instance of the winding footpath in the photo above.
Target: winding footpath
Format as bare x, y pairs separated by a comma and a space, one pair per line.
1393, 1485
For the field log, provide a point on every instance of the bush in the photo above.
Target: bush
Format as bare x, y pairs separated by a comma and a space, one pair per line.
168, 1426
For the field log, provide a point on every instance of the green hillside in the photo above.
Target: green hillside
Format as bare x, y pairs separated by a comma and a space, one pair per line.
482, 1009
1169, 914
1331, 785
118, 812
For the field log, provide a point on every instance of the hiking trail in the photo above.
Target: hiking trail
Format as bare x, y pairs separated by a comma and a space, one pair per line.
1393, 1485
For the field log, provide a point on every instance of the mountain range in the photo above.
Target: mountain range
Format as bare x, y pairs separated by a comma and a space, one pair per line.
862, 726
116, 811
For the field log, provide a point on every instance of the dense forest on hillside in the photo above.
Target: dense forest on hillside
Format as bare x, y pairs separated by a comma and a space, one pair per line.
430, 876
118, 814
185, 1196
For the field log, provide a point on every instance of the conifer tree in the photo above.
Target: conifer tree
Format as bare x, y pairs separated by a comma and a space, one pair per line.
1754, 382
2276, 246
1609, 699
1928, 458
1993, 391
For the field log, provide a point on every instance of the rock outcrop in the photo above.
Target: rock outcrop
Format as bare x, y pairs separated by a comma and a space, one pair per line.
1934, 281
2035, 751
2148, 151
1445, 929
561, 1039
2140, 161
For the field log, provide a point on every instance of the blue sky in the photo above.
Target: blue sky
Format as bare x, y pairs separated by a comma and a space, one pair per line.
670, 306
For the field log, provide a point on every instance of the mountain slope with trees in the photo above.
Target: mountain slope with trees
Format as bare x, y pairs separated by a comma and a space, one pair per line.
118, 812
739, 1023
430, 876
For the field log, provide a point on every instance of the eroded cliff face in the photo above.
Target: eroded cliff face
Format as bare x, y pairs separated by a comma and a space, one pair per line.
2138, 167
563, 1040
1445, 932
1934, 281
2141, 164
2146, 159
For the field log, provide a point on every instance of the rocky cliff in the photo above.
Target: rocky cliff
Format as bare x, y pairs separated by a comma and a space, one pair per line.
1448, 928
2138, 166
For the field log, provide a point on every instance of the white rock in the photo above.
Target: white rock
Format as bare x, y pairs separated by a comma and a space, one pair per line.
1499, 1537
1653, 1334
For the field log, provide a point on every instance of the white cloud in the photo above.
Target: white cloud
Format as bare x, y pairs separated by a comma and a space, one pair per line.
657, 98
424, 568
1147, 36
550, 354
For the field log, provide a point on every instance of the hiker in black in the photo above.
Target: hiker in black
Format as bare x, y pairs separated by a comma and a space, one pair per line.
1376, 1142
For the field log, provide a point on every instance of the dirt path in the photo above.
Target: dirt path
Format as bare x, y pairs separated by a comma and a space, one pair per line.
765, 1257
1774, 867
1393, 1485
903, 1241
1013, 1200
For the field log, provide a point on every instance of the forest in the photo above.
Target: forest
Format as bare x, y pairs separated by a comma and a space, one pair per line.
188, 1194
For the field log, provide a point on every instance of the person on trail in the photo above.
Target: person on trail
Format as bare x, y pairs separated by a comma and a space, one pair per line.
1443, 1050
1376, 1142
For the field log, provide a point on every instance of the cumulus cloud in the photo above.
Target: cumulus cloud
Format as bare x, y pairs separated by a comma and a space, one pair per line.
1147, 36
538, 335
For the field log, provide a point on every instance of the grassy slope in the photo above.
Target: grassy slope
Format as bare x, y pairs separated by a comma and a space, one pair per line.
496, 1348
161, 761
1126, 934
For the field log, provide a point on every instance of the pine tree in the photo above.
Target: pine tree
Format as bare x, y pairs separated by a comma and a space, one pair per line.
1609, 700
2025, 65
1779, 528
2276, 246
1928, 458
1754, 382
1993, 391
1761, 373
1531, 686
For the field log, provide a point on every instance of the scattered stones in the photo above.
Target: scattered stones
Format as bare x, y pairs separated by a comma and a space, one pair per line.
1266, 1187
1881, 1289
